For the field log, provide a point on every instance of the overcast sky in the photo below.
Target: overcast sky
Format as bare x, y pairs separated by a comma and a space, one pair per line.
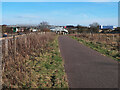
60, 13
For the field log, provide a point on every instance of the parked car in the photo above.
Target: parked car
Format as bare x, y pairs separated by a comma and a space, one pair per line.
4, 34
19, 33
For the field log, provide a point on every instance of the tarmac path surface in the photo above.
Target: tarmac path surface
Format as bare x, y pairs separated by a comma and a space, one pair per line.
87, 68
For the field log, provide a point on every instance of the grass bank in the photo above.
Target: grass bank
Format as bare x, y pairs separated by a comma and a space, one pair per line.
47, 71
99, 47
35, 63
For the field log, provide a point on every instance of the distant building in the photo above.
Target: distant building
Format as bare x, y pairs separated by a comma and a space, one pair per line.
107, 27
58, 29
69, 26
34, 30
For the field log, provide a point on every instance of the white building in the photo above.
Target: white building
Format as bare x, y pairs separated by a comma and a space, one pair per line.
34, 30
59, 29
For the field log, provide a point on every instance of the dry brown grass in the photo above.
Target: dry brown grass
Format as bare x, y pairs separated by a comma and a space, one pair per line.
16, 73
110, 40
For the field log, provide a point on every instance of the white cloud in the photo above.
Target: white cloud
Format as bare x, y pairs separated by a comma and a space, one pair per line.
60, 0
27, 16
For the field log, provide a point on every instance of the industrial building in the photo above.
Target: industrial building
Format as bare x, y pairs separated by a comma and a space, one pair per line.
107, 27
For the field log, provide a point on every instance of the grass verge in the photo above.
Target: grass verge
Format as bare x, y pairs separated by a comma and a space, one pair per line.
100, 48
47, 71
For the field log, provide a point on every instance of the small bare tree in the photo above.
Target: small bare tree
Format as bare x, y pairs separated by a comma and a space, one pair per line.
94, 27
95, 24
44, 26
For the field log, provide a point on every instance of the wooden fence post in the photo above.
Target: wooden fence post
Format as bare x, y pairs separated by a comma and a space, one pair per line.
1, 64
119, 44
113, 37
25, 40
14, 42
106, 39
99, 37
6, 46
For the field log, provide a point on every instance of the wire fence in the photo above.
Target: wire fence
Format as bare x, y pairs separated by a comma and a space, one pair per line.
16, 52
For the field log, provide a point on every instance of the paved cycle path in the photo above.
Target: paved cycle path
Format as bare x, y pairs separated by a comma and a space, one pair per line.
87, 68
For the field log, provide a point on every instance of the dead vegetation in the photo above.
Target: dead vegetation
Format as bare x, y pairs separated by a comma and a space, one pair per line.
108, 44
16, 57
